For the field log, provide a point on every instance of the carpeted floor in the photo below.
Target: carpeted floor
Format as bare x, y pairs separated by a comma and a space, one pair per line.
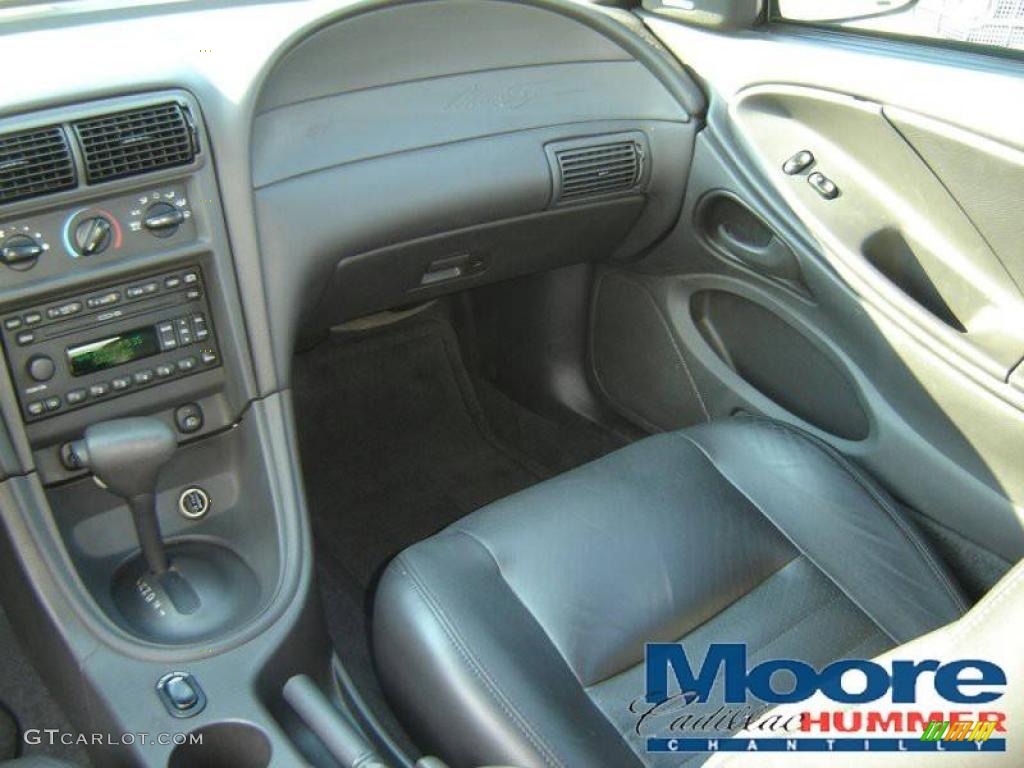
397, 442
29, 705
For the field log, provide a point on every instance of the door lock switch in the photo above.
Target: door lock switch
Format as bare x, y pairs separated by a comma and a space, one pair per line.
798, 163
823, 185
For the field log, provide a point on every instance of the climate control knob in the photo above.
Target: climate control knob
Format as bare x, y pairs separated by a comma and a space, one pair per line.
93, 235
20, 252
163, 219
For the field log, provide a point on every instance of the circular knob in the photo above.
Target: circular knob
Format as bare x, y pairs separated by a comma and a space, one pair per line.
20, 252
163, 219
93, 235
40, 368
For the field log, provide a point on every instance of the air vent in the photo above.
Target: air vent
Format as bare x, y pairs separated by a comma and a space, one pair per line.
34, 163
598, 169
139, 141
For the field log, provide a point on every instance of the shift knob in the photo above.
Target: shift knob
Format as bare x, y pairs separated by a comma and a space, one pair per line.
126, 456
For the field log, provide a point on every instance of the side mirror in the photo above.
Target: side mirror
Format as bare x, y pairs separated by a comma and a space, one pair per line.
837, 11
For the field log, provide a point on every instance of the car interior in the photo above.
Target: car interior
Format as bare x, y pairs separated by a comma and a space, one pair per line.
381, 376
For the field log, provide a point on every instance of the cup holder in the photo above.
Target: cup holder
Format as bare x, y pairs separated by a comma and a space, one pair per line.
223, 745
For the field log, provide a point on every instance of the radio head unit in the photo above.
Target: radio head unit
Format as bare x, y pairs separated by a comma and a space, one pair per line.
78, 350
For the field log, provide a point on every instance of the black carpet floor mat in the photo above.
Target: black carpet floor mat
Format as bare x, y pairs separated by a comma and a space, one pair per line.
396, 444
30, 706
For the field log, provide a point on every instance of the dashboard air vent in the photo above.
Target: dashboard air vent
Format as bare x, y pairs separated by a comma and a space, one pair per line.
598, 169
137, 141
34, 163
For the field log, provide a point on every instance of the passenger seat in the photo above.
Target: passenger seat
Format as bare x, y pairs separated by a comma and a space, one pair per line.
516, 636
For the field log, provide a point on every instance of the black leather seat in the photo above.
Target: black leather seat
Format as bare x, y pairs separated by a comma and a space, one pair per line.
516, 636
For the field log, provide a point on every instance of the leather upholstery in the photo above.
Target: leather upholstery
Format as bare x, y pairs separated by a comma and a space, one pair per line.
516, 635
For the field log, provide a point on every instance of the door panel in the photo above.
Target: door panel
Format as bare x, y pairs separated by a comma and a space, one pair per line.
895, 333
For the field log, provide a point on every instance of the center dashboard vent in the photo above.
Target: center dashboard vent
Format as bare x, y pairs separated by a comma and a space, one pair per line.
592, 169
34, 163
136, 141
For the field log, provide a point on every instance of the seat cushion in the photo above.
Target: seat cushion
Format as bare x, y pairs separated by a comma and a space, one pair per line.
516, 636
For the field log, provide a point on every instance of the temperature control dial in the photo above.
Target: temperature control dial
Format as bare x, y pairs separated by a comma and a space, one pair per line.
93, 235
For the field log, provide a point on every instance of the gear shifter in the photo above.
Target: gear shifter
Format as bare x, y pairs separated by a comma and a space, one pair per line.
183, 591
126, 456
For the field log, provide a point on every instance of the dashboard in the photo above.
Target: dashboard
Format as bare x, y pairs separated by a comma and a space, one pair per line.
175, 219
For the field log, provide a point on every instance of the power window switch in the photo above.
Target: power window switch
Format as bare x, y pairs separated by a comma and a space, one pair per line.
823, 185
798, 163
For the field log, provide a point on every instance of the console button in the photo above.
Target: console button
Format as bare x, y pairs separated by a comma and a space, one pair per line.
31, 318
121, 383
35, 408
75, 396
798, 163
192, 294
209, 357
105, 300
181, 693
172, 282
64, 310
41, 367
12, 323
52, 403
186, 364
99, 390
190, 277
25, 337
144, 376
189, 418
164, 370
141, 290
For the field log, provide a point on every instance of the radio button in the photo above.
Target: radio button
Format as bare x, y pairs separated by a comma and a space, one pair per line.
164, 370
165, 333
186, 364
99, 390
52, 403
209, 357
75, 396
172, 282
25, 337
35, 408
12, 323
192, 294
41, 368
121, 382
94, 302
144, 376
64, 310
31, 318
190, 277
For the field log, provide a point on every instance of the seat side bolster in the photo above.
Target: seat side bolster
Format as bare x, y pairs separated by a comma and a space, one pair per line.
471, 671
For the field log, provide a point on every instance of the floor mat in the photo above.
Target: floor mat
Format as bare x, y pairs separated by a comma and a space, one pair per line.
24, 695
394, 444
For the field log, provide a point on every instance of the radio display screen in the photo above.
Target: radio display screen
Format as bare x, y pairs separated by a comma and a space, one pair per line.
112, 351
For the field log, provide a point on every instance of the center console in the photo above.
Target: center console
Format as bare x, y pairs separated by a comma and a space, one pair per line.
156, 550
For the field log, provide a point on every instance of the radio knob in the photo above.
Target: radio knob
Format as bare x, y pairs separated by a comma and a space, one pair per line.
93, 235
20, 252
40, 368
